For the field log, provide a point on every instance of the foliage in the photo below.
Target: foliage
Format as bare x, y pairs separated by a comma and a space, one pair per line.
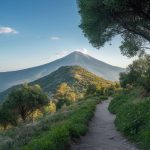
52, 128
130, 122
60, 135
50, 108
132, 116
57, 138
137, 74
25, 100
118, 101
102, 20
64, 95
13, 138
6, 118
99, 90
74, 118
35, 115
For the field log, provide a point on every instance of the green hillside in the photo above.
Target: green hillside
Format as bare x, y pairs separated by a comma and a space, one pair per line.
76, 77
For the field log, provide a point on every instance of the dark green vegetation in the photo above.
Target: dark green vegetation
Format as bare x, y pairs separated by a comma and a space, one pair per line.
52, 132
137, 74
133, 116
77, 78
132, 104
102, 20
21, 103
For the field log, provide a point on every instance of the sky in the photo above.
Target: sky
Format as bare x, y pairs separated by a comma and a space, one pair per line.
35, 32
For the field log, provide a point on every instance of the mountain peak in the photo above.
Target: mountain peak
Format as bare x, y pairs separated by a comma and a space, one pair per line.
76, 58
77, 53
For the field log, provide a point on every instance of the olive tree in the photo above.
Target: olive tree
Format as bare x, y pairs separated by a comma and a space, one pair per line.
25, 100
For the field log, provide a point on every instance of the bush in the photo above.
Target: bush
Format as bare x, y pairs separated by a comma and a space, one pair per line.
77, 130
59, 136
132, 117
117, 102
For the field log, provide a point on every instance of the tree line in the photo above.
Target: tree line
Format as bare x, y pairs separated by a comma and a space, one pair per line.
137, 74
29, 102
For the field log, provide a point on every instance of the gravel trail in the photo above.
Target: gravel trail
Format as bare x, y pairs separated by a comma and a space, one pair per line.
102, 133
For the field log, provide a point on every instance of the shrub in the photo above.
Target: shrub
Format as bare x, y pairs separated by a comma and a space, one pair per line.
59, 136
132, 117
117, 102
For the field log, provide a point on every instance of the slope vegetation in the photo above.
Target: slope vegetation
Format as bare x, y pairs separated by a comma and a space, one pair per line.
76, 77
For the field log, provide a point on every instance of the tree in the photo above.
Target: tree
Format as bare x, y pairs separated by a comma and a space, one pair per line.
63, 90
124, 79
92, 89
6, 117
25, 100
50, 108
101, 20
64, 95
137, 74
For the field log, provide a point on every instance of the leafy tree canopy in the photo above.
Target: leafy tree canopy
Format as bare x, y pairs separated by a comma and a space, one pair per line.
25, 100
101, 20
137, 74
64, 95
6, 117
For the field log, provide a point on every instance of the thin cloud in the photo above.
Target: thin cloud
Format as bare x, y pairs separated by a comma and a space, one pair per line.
83, 50
55, 38
7, 30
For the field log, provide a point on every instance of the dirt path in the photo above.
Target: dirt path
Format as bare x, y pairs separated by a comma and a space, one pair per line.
102, 134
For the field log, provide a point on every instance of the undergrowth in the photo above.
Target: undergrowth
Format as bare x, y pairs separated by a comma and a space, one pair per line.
133, 116
52, 132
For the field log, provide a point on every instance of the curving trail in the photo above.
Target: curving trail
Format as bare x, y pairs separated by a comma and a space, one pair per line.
102, 133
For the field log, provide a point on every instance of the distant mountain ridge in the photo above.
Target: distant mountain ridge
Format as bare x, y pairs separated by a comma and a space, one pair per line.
76, 77
9, 79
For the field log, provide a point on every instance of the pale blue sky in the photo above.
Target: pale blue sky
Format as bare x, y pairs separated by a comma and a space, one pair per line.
34, 32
